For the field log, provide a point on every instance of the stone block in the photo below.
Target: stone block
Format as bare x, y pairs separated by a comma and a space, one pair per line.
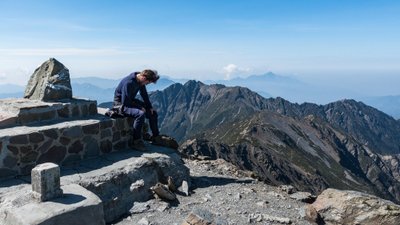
20, 139
45, 146
10, 162
55, 154
64, 140
75, 111
46, 181
106, 124
106, 146
84, 110
63, 112
36, 137
27, 118
53, 134
92, 147
91, 129
50, 115
76, 147
107, 133
25, 149
93, 108
73, 132
76, 206
29, 158
116, 136
13, 149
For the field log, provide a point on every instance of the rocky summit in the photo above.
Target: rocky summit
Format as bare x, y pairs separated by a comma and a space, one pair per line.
49, 82
243, 159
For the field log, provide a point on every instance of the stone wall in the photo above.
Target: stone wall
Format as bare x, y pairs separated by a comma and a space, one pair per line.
23, 147
18, 112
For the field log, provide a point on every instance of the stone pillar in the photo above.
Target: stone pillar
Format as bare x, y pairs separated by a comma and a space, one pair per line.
46, 182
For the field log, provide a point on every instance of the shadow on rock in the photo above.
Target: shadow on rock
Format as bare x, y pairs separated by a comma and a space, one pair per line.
204, 181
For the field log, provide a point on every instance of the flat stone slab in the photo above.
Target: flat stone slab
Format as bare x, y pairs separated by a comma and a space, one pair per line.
21, 111
76, 206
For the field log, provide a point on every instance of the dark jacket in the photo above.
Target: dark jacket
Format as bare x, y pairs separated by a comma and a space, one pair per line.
126, 91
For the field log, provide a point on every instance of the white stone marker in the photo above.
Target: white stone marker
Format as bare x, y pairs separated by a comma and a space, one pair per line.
46, 182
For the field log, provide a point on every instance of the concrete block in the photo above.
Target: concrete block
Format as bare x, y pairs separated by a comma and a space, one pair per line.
46, 181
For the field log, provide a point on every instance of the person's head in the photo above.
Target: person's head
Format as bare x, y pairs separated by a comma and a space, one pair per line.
148, 76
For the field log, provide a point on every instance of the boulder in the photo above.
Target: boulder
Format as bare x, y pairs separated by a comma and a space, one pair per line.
350, 207
49, 82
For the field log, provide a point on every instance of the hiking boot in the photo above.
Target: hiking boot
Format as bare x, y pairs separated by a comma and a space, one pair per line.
147, 137
165, 141
139, 145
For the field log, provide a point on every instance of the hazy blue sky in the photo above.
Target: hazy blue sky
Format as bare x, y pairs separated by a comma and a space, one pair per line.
320, 40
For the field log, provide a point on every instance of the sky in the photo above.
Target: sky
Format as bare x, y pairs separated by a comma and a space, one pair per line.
330, 41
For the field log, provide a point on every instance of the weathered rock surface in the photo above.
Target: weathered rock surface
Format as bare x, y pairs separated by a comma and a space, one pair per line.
76, 206
119, 179
49, 82
202, 217
129, 178
334, 207
222, 195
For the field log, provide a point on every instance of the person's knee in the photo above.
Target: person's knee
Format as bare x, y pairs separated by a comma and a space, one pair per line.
153, 115
141, 115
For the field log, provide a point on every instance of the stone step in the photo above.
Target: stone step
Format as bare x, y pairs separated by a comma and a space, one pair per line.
23, 147
21, 111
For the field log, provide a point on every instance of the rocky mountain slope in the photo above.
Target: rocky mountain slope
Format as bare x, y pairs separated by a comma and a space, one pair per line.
184, 110
368, 125
345, 144
224, 195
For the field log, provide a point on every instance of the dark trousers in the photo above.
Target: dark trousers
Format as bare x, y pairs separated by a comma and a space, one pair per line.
139, 118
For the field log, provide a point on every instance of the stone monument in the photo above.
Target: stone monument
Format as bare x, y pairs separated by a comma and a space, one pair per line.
46, 182
49, 82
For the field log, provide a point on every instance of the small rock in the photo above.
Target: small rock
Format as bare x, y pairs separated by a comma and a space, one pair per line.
238, 196
203, 217
139, 207
289, 189
135, 186
185, 188
171, 185
262, 203
143, 221
283, 220
303, 197
163, 192
162, 206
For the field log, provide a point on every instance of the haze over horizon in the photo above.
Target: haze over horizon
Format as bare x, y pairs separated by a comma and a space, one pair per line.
349, 44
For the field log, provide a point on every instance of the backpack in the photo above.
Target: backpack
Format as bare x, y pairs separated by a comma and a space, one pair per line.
115, 112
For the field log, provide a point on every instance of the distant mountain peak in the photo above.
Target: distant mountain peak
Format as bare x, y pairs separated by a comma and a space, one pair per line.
192, 83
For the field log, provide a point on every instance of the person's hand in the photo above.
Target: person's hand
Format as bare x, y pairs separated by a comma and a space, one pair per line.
152, 111
143, 109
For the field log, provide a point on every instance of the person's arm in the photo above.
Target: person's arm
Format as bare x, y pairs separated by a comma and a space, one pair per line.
127, 97
145, 97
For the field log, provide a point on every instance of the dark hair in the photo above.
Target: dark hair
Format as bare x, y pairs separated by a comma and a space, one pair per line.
150, 75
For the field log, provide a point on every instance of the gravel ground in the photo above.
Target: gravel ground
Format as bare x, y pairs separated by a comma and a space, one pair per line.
223, 194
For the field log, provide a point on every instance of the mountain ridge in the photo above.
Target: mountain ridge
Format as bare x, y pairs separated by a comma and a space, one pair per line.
223, 115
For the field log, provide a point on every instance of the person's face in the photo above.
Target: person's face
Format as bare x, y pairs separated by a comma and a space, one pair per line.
143, 80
